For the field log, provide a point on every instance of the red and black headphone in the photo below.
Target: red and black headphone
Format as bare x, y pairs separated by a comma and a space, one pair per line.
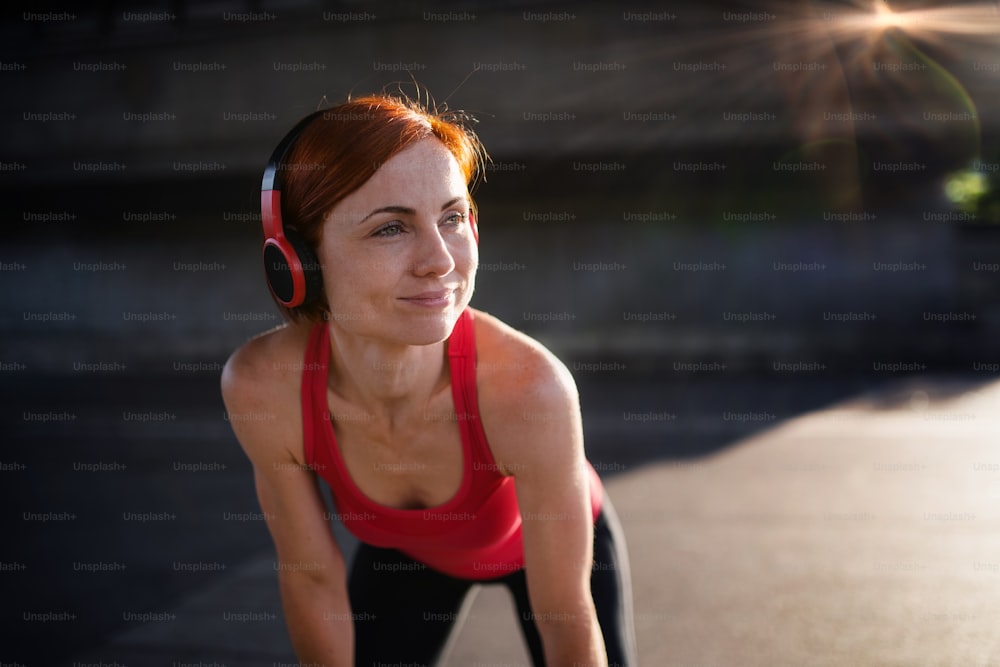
292, 268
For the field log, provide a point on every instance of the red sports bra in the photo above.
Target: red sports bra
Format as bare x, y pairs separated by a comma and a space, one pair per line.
477, 533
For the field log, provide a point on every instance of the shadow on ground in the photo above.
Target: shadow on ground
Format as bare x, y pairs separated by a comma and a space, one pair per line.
127, 494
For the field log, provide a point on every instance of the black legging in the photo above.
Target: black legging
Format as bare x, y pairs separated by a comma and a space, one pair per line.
405, 612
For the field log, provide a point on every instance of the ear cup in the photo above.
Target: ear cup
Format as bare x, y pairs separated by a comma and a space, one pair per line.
311, 270
292, 269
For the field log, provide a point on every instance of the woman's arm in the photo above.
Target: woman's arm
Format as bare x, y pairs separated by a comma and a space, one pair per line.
311, 569
265, 414
532, 417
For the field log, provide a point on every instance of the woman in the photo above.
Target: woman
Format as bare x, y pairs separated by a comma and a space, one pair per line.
452, 444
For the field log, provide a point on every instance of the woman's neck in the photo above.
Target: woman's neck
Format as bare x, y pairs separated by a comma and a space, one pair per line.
386, 380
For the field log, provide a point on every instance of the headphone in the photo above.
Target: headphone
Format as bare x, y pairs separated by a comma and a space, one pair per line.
290, 265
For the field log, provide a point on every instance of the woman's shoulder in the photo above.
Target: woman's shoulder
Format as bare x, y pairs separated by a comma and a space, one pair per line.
261, 380
514, 370
271, 355
528, 401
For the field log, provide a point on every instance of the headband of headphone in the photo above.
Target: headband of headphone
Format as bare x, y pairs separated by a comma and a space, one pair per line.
292, 269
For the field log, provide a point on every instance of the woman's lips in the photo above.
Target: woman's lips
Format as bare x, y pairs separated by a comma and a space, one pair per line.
432, 299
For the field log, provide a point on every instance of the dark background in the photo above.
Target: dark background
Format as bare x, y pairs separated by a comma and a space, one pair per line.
773, 241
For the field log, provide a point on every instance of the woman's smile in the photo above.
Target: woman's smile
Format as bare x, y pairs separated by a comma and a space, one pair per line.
431, 299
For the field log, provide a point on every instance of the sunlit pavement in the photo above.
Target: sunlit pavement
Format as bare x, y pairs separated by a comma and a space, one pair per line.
863, 533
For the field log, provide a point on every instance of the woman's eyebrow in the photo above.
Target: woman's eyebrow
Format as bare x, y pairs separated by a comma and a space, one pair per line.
405, 210
451, 202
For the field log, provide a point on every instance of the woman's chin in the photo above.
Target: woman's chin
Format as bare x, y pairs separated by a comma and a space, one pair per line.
406, 325
428, 328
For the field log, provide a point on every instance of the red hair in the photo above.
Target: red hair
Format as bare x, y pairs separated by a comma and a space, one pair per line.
343, 147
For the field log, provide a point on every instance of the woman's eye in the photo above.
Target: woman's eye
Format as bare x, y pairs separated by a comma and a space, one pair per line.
391, 229
455, 219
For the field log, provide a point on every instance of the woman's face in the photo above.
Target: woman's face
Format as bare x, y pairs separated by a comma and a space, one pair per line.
398, 255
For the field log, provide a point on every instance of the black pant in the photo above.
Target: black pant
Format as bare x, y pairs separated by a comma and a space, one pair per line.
405, 612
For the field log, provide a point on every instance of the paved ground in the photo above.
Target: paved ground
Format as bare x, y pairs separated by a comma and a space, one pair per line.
836, 522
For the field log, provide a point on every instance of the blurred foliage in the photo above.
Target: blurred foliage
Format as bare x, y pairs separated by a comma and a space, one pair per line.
976, 190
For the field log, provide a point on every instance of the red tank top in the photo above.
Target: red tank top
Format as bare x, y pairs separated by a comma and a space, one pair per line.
477, 533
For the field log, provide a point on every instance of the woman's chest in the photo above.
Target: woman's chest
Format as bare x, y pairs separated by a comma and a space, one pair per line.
416, 464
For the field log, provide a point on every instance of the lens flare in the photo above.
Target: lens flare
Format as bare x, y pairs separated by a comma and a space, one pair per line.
927, 22
843, 83
898, 76
884, 17
913, 61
